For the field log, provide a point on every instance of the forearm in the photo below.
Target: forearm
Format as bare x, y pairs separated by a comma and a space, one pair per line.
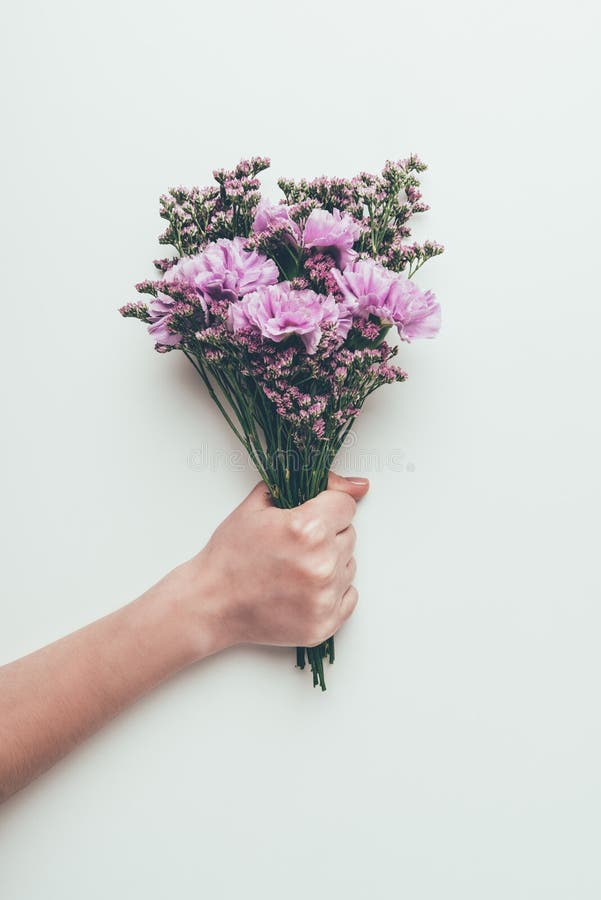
55, 697
267, 576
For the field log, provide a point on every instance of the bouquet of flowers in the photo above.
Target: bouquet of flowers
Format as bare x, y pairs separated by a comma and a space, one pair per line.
283, 310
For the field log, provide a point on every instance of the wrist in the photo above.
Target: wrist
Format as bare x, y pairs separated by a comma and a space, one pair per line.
198, 608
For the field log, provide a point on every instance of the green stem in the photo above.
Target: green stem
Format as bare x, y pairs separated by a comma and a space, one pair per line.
289, 485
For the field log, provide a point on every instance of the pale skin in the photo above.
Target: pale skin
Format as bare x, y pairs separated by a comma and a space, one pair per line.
267, 576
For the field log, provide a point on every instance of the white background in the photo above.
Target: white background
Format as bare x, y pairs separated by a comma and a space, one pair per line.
456, 752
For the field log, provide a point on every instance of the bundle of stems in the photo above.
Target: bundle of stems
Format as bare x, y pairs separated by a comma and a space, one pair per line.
291, 473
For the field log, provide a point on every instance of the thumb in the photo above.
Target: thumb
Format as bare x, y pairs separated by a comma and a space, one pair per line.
350, 484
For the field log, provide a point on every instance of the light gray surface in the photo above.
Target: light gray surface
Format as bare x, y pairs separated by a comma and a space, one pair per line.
456, 752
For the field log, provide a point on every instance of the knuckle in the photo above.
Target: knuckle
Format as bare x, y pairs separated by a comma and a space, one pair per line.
316, 532
324, 569
309, 531
296, 523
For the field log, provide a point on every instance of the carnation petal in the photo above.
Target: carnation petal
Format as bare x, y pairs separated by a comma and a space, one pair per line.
333, 232
277, 312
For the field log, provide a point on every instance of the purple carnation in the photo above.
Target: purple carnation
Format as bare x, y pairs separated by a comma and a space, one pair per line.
160, 311
184, 271
278, 312
224, 270
370, 289
271, 216
335, 232
418, 312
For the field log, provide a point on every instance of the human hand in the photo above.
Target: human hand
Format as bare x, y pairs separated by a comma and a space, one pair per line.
277, 576
267, 576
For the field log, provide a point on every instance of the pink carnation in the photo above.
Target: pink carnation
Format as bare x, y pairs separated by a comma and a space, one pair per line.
269, 216
370, 289
335, 232
278, 312
184, 271
417, 312
224, 270
160, 311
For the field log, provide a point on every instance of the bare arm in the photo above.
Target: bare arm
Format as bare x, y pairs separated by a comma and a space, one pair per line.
266, 576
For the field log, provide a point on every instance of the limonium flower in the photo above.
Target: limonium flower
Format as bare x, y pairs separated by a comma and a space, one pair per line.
278, 312
335, 232
369, 289
224, 270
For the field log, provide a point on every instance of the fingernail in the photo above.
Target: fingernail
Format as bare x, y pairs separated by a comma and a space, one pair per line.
360, 481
